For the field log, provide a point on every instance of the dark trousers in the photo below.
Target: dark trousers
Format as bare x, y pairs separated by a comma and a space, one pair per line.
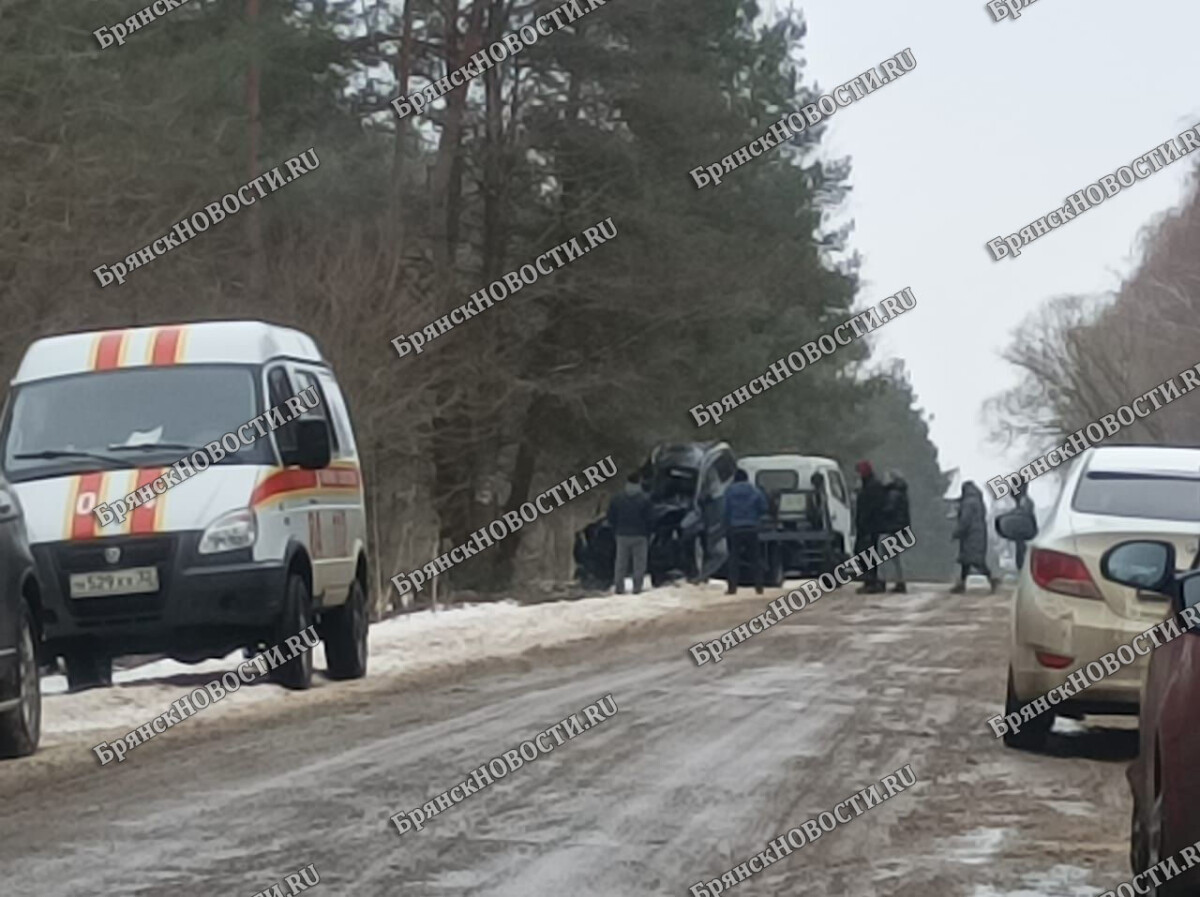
1020, 554
982, 568
743, 549
862, 542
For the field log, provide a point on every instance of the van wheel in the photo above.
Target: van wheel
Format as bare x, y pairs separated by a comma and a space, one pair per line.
1034, 733
345, 635
775, 565
296, 674
21, 727
88, 668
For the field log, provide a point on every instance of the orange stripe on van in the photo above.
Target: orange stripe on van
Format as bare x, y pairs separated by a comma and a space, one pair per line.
108, 352
294, 479
144, 518
168, 341
85, 493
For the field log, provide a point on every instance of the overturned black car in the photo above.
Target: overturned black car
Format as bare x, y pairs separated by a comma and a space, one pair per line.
687, 483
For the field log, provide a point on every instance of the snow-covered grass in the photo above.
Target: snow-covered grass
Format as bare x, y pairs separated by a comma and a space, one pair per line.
399, 646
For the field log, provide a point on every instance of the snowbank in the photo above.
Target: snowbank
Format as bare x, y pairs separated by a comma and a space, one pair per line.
399, 646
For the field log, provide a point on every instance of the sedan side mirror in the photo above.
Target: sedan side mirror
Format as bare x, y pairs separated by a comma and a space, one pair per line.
1189, 591
1142, 564
1016, 526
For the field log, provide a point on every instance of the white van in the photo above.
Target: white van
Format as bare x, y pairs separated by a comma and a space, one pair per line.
795, 543
243, 554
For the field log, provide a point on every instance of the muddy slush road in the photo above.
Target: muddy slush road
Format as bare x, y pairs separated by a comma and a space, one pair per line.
700, 767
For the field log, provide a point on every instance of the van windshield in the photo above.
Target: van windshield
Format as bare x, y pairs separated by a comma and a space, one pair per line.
136, 417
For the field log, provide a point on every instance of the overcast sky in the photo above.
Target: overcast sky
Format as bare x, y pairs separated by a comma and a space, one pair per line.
997, 125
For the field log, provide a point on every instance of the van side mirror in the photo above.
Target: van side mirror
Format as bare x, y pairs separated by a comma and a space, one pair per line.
1141, 564
313, 445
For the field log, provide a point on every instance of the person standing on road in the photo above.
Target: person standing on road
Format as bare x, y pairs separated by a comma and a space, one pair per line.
629, 516
896, 518
815, 506
1023, 505
869, 523
971, 533
745, 506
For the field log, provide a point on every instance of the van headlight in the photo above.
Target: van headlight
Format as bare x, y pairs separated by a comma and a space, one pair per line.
236, 529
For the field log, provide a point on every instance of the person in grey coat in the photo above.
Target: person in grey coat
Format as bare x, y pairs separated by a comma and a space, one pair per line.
629, 514
971, 533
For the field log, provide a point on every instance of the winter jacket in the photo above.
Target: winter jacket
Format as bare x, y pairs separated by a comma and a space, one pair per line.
869, 515
895, 506
629, 511
745, 504
971, 528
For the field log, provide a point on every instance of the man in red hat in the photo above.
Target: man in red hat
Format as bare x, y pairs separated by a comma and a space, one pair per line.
869, 523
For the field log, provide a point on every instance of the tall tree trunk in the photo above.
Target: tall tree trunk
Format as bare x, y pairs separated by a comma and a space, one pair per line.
258, 253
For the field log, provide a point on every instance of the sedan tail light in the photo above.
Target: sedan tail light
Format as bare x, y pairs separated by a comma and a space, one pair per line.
1066, 574
1054, 661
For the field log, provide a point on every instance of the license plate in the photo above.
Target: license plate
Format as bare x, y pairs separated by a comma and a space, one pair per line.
131, 581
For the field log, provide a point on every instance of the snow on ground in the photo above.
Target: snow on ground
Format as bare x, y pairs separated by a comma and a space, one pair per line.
401, 645
1060, 879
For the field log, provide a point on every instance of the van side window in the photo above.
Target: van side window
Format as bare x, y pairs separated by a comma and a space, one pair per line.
339, 414
279, 389
835, 483
307, 379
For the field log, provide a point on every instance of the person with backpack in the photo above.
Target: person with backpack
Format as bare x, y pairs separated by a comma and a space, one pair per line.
896, 518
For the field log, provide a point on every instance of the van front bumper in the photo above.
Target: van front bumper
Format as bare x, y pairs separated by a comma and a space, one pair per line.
202, 600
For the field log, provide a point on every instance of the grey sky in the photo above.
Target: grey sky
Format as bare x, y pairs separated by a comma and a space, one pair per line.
997, 125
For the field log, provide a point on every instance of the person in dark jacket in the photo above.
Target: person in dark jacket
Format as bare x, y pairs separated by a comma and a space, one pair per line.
971, 533
869, 523
745, 506
629, 516
896, 518
816, 506
1023, 505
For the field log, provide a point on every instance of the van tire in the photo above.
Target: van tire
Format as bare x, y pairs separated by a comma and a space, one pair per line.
21, 727
87, 668
345, 635
296, 616
774, 564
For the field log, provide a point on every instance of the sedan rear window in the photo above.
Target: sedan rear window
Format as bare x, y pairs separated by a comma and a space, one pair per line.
1154, 496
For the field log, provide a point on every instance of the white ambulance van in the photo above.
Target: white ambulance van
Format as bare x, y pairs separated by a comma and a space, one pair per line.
245, 553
